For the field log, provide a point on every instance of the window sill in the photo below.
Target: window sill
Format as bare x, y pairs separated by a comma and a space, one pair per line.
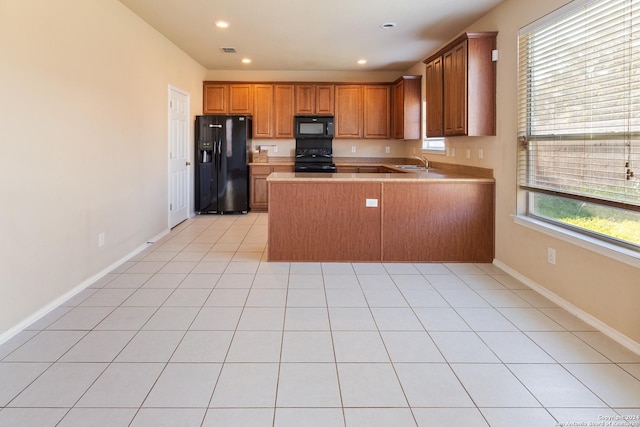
609, 250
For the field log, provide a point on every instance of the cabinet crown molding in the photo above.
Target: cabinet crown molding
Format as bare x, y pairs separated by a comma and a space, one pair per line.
462, 37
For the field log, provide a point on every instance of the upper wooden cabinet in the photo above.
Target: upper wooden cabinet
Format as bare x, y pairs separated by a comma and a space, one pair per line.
468, 87
227, 98
240, 98
314, 99
273, 111
407, 107
377, 119
348, 115
215, 98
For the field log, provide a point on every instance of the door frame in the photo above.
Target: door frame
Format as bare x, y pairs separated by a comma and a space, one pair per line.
189, 188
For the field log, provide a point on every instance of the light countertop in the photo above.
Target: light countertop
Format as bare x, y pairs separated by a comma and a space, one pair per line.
430, 175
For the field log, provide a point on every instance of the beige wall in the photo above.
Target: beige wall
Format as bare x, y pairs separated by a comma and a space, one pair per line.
83, 143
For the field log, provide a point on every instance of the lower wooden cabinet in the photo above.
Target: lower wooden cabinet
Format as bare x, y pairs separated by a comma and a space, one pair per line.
258, 193
449, 221
360, 169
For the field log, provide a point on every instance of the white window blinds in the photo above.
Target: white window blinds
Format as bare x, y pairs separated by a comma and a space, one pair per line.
579, 104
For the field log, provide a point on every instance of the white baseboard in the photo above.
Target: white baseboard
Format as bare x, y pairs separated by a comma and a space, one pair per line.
612, 333
11, 332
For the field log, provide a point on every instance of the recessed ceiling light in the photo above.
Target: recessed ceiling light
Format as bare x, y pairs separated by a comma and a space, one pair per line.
362, 61
246, 61
388, 25
222, 24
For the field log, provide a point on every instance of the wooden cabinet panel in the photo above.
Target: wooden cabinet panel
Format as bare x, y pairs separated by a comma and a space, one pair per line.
325, 99
377, 119
414, 222
454, 65
305, 99
481, 86
369, 169
283, 106
240, 98
438, 222
314, 99
434, 93
406, 112
259, 196
468, 87
215, 98
299, 221
348, 118
263, 111
258, 200
346, 169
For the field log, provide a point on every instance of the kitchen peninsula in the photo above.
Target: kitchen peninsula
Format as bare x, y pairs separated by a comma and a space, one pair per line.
444, 214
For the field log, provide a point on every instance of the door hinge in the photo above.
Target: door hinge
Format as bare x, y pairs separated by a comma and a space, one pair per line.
170, 206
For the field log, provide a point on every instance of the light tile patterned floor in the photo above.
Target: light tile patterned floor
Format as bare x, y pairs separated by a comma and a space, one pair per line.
200, 330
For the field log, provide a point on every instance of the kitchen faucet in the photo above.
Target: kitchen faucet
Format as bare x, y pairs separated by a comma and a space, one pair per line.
423, 160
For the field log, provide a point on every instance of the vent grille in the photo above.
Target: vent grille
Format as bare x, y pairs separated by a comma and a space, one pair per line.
228, 50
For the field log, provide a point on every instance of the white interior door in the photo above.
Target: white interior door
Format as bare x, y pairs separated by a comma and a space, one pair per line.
178, 156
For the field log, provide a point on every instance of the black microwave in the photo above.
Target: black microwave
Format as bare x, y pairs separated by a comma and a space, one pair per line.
313, 127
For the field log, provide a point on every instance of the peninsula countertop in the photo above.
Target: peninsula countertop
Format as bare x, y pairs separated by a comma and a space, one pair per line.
429, 175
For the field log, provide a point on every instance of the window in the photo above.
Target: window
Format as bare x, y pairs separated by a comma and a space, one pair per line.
430, 144
579, 119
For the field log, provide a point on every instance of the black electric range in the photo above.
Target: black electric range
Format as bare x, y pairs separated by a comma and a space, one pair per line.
314, 155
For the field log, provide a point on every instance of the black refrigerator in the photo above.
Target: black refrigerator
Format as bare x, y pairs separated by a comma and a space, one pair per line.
221, 164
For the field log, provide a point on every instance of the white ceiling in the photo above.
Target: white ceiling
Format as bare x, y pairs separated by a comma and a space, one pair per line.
310, 35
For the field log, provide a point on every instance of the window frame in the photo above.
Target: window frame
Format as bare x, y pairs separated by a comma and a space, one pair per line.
432, 145
525, 163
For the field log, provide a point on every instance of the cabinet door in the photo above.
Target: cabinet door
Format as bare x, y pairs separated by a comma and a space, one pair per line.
283, 117
348, 120
406, 108
215, 98
455, 90
397, 110
324, 99
263, 111
240, 99
377, 123
305, 99
259, 197
434, 97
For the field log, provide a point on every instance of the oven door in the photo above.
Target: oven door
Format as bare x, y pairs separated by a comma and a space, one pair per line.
315, 167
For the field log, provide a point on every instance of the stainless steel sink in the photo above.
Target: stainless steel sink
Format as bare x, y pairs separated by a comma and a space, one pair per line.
410, 167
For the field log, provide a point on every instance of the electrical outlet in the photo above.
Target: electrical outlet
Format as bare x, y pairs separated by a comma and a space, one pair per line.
468, 153
453, 152
551, 256
480, 153
275, 148
101, 239
387, 149
353, 148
